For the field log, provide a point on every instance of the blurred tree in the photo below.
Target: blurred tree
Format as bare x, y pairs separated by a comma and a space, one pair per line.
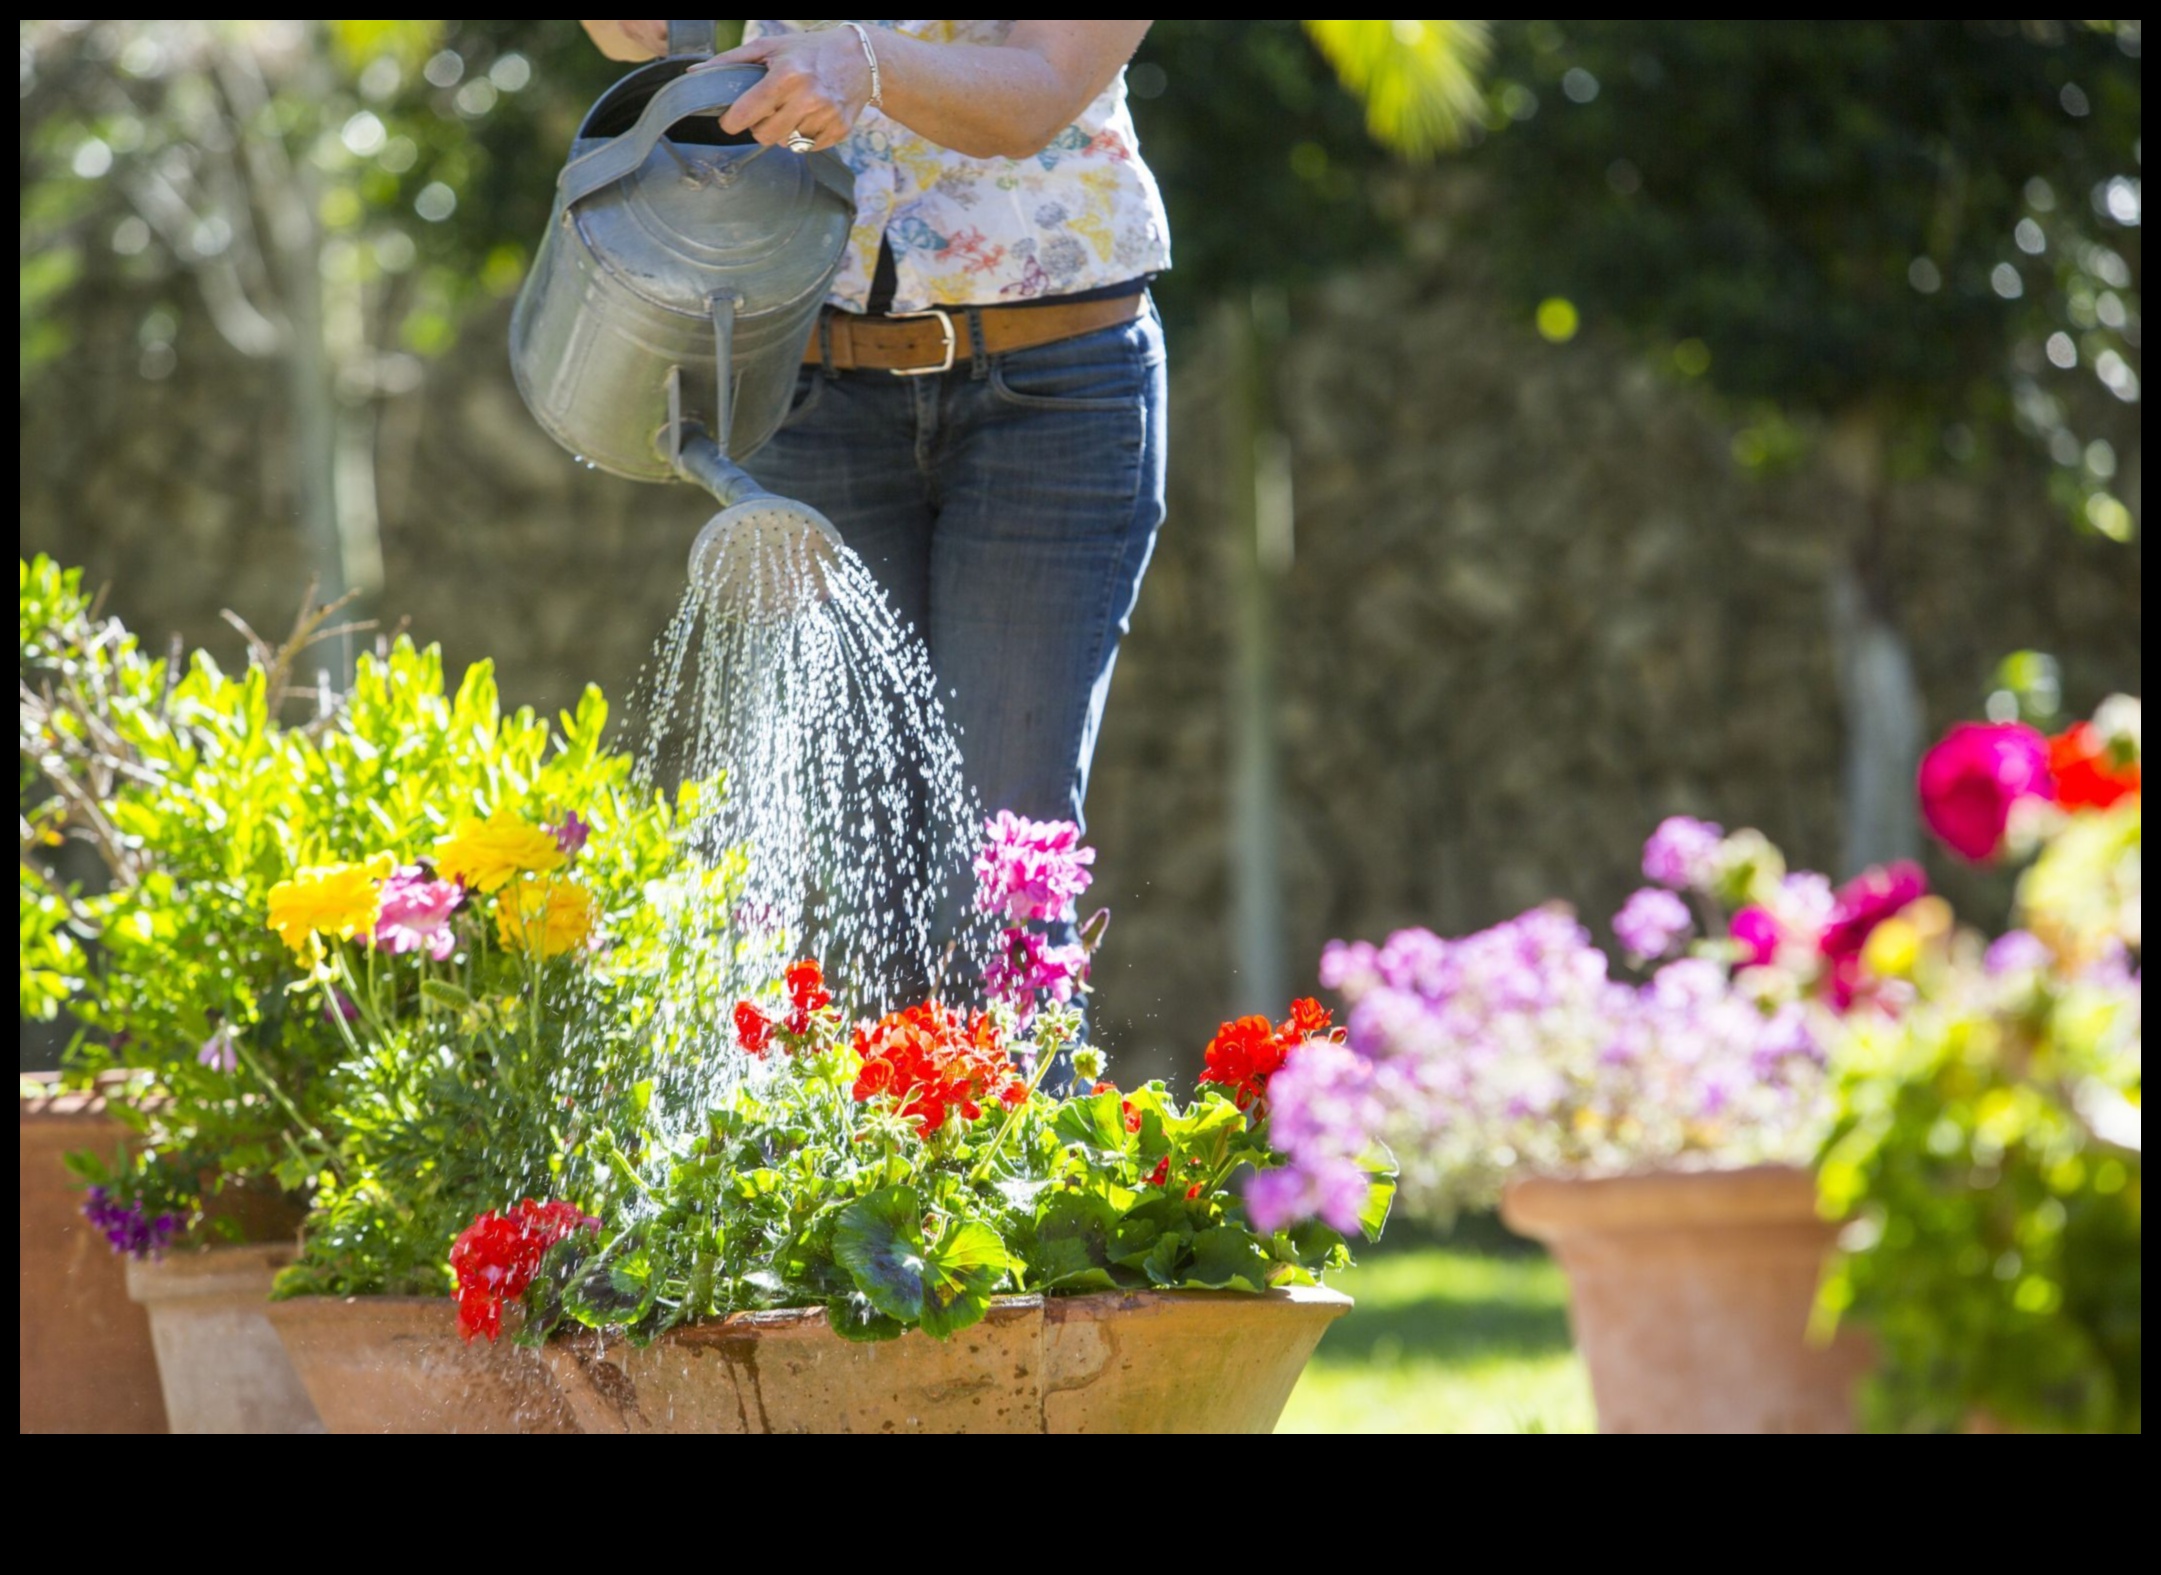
1903, 239
338, 192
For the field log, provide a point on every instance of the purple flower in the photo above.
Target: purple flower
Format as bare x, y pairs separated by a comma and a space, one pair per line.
1651, 923
1031, 869
126, 1227
1682, 852
219, 1052
1335, 1191
1027, 963
2016, 951
416, 914
570, 835
345, 1007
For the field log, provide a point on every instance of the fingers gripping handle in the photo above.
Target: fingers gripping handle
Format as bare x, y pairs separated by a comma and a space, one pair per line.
693, 93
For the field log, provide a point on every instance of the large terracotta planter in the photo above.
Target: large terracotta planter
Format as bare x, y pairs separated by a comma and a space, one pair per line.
85, 1359
395, 1364
1690, 1295
222, 1366
1142, 1362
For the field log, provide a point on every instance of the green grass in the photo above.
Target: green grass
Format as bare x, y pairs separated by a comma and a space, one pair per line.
1445, 1340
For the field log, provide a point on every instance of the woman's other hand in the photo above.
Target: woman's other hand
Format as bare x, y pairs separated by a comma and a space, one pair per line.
628, 40
815, 84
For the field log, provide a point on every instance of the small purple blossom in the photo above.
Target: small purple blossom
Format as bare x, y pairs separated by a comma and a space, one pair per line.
416, 914
219, 1052
127, 1227
1682, 853
2016, 951
1027, 963
1031, 869
1324, 1109
570, 833
1335, 1192
344, 1005
1652, 922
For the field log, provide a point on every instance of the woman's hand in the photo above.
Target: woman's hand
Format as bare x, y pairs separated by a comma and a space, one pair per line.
628, 40
815, 85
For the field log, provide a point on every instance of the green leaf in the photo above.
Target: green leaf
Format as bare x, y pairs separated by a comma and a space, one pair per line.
1227, 1257
1095, 1122
879, 1241
1162, 1263
1072, 1239
852, 1317
965, 1267
1374, 1214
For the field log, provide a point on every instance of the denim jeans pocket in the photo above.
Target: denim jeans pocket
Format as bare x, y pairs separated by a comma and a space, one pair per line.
1109, 369
810, 384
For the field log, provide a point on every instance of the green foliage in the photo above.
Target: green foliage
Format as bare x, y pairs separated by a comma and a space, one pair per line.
1418, 80
1987, 1153
795, 1193
1935, 223
404, 1091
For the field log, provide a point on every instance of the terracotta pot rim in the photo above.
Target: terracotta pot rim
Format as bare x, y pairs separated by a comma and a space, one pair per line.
39, 1096
212, 1269
1740, 1197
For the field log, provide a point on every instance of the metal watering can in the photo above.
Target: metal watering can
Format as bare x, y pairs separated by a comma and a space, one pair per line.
661, 327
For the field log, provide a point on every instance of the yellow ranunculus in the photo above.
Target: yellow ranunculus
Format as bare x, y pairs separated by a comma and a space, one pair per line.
486, 854
544, 917
333, 899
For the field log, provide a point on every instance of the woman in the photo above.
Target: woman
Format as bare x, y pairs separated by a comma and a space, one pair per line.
980, 411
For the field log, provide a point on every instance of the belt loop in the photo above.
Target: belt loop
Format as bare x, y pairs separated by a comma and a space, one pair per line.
978, 357
825, 341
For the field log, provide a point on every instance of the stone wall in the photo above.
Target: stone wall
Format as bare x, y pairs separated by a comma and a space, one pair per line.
1533, 607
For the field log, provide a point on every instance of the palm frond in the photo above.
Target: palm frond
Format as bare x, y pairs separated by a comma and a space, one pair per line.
1418, 80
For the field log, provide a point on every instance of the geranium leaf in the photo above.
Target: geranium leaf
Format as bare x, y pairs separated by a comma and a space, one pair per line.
1095, 1122
879, 1241
1226, 1258
852, 1317
1374, 1214
964, 1268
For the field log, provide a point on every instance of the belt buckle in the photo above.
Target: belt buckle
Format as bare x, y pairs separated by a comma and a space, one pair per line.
952, 340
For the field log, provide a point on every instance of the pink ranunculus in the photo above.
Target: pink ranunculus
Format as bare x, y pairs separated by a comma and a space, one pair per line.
416, 914
1970, 780
1861, 904
1758, 934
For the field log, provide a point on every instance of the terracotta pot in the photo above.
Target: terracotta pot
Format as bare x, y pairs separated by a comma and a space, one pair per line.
221, 1364
1141, 1362
395, 1364
1690, 1295
86, 1361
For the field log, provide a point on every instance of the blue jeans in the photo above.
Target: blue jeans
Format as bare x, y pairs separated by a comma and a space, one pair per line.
1009, 510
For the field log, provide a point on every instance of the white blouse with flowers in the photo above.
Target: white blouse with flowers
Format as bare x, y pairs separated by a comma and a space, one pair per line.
1081, 214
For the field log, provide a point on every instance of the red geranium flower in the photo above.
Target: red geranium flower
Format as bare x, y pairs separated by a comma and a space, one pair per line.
932, 1061
1245, 1054
1161, 1173
497, 1255
2087, 775
806, 994
753, 1029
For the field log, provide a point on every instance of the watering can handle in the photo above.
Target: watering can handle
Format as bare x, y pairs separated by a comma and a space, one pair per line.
691, 38
693, 93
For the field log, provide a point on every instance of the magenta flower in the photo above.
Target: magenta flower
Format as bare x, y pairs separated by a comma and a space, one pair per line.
1031, 869
570, 835
219, 1052
1027, 963
1651, 923
1973, 776
1682, 852
416, 914
1861, 904
1758, 935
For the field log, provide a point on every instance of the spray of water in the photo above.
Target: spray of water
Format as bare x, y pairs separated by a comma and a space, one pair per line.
839, 825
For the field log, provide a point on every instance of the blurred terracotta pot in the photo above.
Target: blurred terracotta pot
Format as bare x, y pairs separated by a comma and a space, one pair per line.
1139, 1362
1690, 1295
220, 1363
395, 1364
86, 1363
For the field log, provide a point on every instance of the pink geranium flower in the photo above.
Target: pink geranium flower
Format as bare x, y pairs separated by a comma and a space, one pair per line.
1863, 903
1028, 963
1970, 780
1031, 869
416, 914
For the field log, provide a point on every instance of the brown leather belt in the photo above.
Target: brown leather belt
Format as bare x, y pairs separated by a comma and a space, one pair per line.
913, 344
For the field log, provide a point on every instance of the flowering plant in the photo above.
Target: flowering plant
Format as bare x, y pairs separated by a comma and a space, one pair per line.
902, 1171
1986, 1154
1519, 1049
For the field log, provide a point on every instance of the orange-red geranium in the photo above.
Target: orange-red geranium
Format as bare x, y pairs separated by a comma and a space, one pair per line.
497, 1255
1245, 1054
933, 1061
2088, 776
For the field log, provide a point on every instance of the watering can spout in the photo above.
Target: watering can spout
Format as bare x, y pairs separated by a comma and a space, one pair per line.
762, 557
699, 461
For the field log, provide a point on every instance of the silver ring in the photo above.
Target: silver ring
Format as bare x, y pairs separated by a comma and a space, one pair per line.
798, 143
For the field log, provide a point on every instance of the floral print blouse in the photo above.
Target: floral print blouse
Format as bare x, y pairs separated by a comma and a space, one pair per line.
1081, 214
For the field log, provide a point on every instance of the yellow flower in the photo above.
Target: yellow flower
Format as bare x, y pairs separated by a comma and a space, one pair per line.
545, 917
333, 899
485, 854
